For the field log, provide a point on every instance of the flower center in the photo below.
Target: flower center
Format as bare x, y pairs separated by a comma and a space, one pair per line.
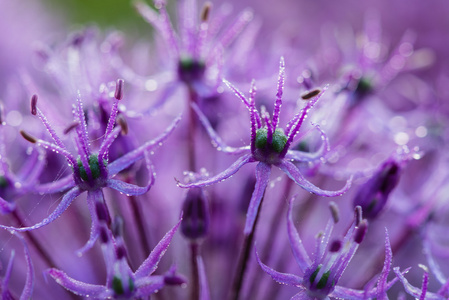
94, 167
190, 70
119, 289
277, 144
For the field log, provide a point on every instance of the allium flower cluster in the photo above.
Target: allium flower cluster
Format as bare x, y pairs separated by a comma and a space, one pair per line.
200, 161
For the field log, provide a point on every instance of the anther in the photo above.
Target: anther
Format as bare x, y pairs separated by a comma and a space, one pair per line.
334, 211
205, 12
102, 213
358, 215
34, 104
310, 94
335, 246
117, 226
119, 89
121, 121
28, 137
361, 231
72, 126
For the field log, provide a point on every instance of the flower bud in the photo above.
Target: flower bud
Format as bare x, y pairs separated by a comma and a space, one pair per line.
373, 195
195, 221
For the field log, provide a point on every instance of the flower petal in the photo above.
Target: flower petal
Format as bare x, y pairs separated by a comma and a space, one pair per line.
55, 186
311, 156
78, 287
263, 172
292, 171
150, 264
282, 278
6, 207
247, 158
382, 282
300, 254
65, 203
149, 285
127, 188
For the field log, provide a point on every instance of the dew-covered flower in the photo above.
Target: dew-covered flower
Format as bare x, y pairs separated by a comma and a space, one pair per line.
270, 145
91, 170
322, 271
122, 282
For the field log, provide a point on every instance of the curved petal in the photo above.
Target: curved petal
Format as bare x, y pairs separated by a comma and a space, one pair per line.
55, 186
78, 287
243, 160
93, 197
150, 264
29, 281
139, 153
292, 171
127, 188
311, 156
299, 252
216, 140
263, 172
282, 278
6, 207
382, 282
65, 203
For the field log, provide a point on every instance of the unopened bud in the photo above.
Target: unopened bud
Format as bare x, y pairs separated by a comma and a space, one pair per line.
195, 221
373, 195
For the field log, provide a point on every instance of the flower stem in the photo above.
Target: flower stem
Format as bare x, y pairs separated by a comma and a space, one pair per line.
193, 98
195, 281
244, 259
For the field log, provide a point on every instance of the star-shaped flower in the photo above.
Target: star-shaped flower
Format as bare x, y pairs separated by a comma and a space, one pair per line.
122, 282
91, 171
270, 145
322, 273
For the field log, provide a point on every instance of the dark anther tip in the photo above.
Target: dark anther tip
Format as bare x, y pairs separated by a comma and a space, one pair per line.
334, 212
358, 215
34, 104
2, 110
361, 231
121, 121
310, 94
335, 246
119, 89
28, 137
205, 12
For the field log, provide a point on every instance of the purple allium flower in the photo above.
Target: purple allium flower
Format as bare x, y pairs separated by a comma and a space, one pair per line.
270, 145
195, 51
91, 170
322, 273
122, 282
29, 282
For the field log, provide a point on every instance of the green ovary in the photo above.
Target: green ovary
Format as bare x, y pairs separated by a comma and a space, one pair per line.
93, 165
278, 143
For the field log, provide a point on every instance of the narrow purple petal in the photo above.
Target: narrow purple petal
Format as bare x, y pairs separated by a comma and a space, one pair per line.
299, 252
216, 140
150, 264
292, 171
29, 281
78, 287
382, 282
93, 197
310, 156
414, 291
238, 93
127, 188
282, 278
65, 203
6, 207
263, 172
301, 296
204, 286
243, 160
280, 90
55, 186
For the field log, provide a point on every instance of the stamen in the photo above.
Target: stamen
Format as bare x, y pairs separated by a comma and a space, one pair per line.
34, 104
361, 231
102, 213
205, 12
2, 109
121, 252
28, 137
119, 89
72, 126
358, 215
310, 94
121, 121
334, 211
